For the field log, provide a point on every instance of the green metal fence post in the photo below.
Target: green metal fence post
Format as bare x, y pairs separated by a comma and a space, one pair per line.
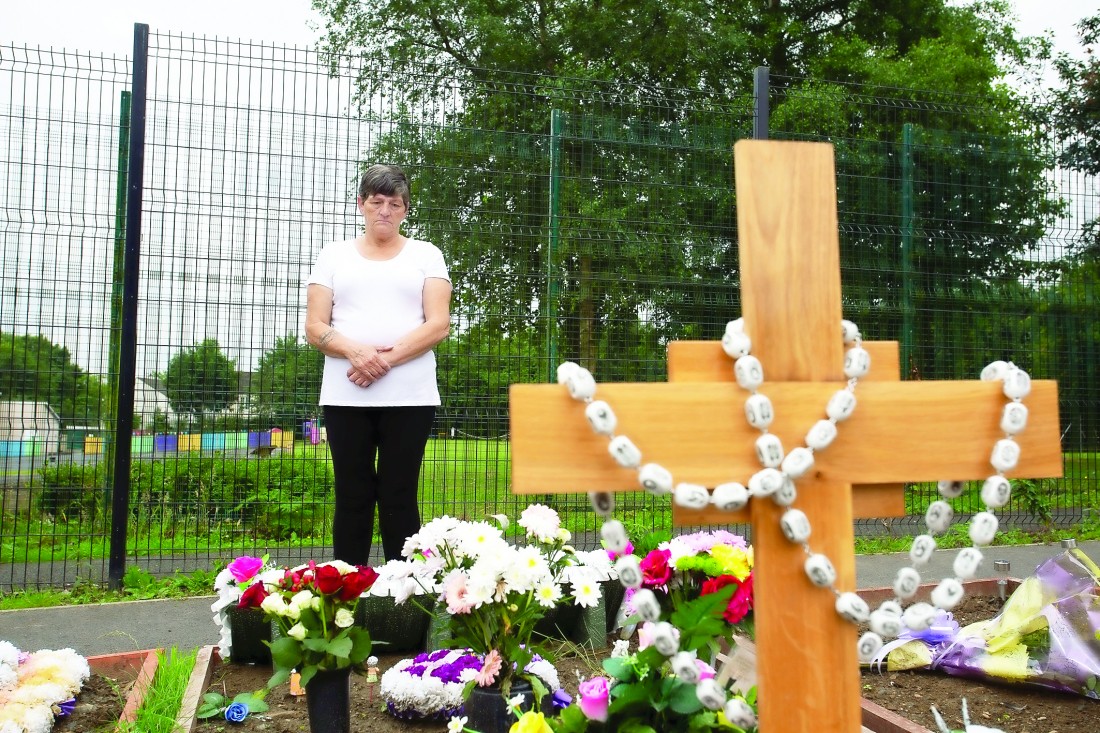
550, 310
906, 265
115, 336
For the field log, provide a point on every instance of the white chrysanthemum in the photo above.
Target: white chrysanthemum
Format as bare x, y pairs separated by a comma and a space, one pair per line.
45, 693
481, 586
8, 677
548, 594
586, 591
527, 568
479, 539
344, 618
545, 672
271, 577
599, 562
541, 522
38, 719
621, 648
677, 549
343, 567
431, 536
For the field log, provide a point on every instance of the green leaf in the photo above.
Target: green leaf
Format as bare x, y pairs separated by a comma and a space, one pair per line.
684, 700
339, 647
214, 698
286, 653
619, 668
315, 644
280, 677
360, 645
209, 710
254, 700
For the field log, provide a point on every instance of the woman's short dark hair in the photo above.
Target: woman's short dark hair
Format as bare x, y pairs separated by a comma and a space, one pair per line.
388, 180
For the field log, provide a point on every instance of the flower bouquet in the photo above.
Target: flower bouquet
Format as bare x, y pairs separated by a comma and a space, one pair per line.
252, 629
37, 687
313, 607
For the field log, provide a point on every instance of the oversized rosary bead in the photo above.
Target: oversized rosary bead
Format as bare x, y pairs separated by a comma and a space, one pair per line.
947, 594
625, 453
983, 528
655, 478
736, 344
580, 383
994, 371
629, 570
906, 583
684, 667
967, 563
1014, 418
737, 325
857, 362
868, 646
918, 617
891, 606
665, 638
996, 492
749, 372
601, 417
765, 482
951, 489
821, 435
1017, 384
759, 411
740, 713
938, 517
730, 497
769, 450
786, 494
710, 693
798, 462
795, 526
841, 405
691, 496
646, 604
614, 536
852, 608
820, 570
885, 624
849, 332
922, 549
565, 369
603, 502
1006, 454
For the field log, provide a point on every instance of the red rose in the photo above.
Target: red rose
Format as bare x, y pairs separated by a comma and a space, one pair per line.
358, 581
253, 596
655, 569
713, 585
741, 603
328, 580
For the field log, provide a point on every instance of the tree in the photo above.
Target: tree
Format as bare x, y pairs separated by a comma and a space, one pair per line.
288, 381
201, 379
34, 369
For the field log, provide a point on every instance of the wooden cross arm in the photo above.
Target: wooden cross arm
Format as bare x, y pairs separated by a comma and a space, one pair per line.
900, 431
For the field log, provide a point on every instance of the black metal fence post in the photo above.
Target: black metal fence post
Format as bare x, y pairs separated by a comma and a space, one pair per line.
760, 89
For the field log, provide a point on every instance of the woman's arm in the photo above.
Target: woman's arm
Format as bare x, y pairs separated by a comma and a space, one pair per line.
366, 361
436, 326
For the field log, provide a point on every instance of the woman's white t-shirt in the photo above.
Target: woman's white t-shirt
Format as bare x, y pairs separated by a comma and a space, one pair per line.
376, 302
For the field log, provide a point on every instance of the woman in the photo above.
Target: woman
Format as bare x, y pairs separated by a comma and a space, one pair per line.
376, 305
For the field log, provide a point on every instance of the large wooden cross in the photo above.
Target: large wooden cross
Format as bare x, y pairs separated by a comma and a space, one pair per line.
808, 673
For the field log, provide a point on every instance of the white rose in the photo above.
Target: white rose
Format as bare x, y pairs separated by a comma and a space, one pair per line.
274, 605
344, 618
297, 631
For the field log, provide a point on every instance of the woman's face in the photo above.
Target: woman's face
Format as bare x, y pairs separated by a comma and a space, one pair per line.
382, 214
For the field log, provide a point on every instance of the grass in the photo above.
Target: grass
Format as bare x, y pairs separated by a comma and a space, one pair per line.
162, 701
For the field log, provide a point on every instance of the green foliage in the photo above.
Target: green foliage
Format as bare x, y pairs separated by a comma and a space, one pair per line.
201, 379
72, 490
287, 381
162, 701
214, 704
33, 369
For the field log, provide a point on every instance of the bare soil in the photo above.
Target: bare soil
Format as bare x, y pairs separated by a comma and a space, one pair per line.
98, 706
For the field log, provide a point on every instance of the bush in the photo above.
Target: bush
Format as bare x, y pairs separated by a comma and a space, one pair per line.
72, 490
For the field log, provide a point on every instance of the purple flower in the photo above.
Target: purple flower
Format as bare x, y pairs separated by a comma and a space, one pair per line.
561, 699
65, 707
236, 712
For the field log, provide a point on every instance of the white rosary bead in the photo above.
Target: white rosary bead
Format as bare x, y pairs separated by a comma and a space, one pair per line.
983, 528
852, 608
922, 549
786, 494
996, 492
857, 362
938, 517
906, 583
947, 594
994, 371
625, 453
918, 616
603, 503
1006, 454
730, 497
710, 693
890, 606
868, 646
749, 372
769, 450
967, 563
655, 478
849, 332
820, 570
1014, 418
691, 496
601, 417
740, 713
565, 369
795, 526
665, 638
646, 604
765, 482
798, 462
885, 623
841, 405
759, 411
1017, 384
684, 667
614, 536
629, 570
736, 344
821, 435
580, 383
737, 325
951, 489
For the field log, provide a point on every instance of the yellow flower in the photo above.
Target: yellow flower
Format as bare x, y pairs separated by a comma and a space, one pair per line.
734, 560
531, 722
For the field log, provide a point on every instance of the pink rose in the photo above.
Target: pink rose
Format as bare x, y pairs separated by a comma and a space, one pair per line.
645, 635
595, 694
245, 568
655, 569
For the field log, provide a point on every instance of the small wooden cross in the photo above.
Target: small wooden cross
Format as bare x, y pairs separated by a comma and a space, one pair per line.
808, 673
